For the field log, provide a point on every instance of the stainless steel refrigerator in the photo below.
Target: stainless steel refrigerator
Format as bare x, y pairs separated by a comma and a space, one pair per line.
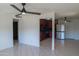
60, 31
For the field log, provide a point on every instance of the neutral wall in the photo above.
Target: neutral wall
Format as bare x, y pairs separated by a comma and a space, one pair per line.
29, 29
6, 30
72, 29
29, 32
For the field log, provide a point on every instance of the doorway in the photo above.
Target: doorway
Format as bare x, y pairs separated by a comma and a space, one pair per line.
46, 32
15, 32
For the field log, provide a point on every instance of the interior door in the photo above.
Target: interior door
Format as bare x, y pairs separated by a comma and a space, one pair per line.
15, 30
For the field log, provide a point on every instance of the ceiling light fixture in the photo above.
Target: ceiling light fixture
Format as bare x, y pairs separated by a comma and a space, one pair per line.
65, 19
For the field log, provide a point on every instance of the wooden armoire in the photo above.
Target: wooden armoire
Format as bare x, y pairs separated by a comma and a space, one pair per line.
45, 29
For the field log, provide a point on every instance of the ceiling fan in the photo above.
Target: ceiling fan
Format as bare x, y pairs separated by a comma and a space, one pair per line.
23, 11
66, 20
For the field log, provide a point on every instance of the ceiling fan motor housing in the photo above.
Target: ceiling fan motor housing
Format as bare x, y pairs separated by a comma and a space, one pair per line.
23, 4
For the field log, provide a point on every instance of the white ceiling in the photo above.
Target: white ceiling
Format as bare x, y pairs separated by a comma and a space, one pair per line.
61, 9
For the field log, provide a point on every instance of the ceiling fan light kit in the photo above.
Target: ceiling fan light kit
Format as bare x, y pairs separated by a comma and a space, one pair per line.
23, 13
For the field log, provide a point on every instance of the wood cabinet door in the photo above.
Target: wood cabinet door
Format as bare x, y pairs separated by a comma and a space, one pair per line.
42, 28
50, 24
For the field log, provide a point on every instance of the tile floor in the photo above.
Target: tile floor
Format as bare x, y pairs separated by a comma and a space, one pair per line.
63, 48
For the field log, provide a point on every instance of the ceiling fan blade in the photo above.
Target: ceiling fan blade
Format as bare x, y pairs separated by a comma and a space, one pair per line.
15, 7
33, 13
19, 14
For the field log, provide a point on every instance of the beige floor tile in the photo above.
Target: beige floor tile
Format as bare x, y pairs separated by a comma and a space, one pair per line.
63, 48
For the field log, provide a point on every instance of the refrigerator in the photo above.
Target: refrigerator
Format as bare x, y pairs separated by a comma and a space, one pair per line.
60, 31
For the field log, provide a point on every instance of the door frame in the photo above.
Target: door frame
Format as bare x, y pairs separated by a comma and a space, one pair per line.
16, 20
